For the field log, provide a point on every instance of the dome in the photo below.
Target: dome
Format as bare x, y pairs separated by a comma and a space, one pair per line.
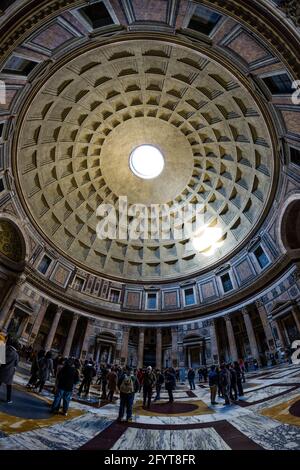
80, 129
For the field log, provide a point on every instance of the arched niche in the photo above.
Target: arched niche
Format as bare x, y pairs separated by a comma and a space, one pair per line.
290, 226
12, 245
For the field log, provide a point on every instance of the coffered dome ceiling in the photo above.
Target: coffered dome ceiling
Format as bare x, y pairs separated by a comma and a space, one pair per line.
80, 128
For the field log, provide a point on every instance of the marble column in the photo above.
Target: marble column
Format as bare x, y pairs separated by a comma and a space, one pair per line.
86, 339
39, 320
231, 339
158, 348
53, 329
214, 343
22, 330
109, 355
266, 325
68, 345
124, 347
97, 353
279, 332
174, 353
7, 311
284, 331
251, 335
141, 348
296, 316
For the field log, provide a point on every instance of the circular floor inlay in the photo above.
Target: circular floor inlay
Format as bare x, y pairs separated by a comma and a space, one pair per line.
173, 408
146, 161
295, 409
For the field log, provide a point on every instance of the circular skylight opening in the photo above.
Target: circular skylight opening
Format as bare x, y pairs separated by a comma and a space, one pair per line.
146, 162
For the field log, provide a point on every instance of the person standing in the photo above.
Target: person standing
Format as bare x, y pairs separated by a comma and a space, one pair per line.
191, 378
59, 365
67, 377
35, 369
204, 373
242, 367
170, 383
220, 391
126, 385
213, 384
233, 383
45, 370
238, 378
148, 385
140, 376
88, 373
112, 383
200, 374
104, 374
159, 381
7, 370
225, 383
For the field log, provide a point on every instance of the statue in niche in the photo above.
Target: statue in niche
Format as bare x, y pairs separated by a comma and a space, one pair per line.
104, 356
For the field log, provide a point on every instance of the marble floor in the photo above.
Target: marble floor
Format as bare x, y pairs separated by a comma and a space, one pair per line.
266, 417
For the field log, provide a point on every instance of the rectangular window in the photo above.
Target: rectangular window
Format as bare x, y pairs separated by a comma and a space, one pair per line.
261, 257
295, 156
226, 282
114, 295
19, 66
204, 20
97, 15
44, 264
280, 84
151, 301
189, 296
78, 284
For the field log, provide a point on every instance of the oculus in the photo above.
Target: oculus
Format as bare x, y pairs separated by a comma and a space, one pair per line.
146, 161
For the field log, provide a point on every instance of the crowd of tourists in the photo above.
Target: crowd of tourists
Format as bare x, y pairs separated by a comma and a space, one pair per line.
70, 377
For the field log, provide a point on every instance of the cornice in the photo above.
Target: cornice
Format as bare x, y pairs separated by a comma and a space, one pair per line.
236, 301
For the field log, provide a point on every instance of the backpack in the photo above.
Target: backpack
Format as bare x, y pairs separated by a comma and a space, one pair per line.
127, 385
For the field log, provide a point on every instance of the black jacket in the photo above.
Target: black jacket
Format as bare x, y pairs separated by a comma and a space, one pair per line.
67, 377
89, 372
170, 380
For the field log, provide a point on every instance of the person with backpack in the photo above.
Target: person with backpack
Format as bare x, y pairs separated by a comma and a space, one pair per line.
88, 373
148, 385
170, 383
127, 385
191, 378
213, 381
159, 381
45, 370
67, 377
